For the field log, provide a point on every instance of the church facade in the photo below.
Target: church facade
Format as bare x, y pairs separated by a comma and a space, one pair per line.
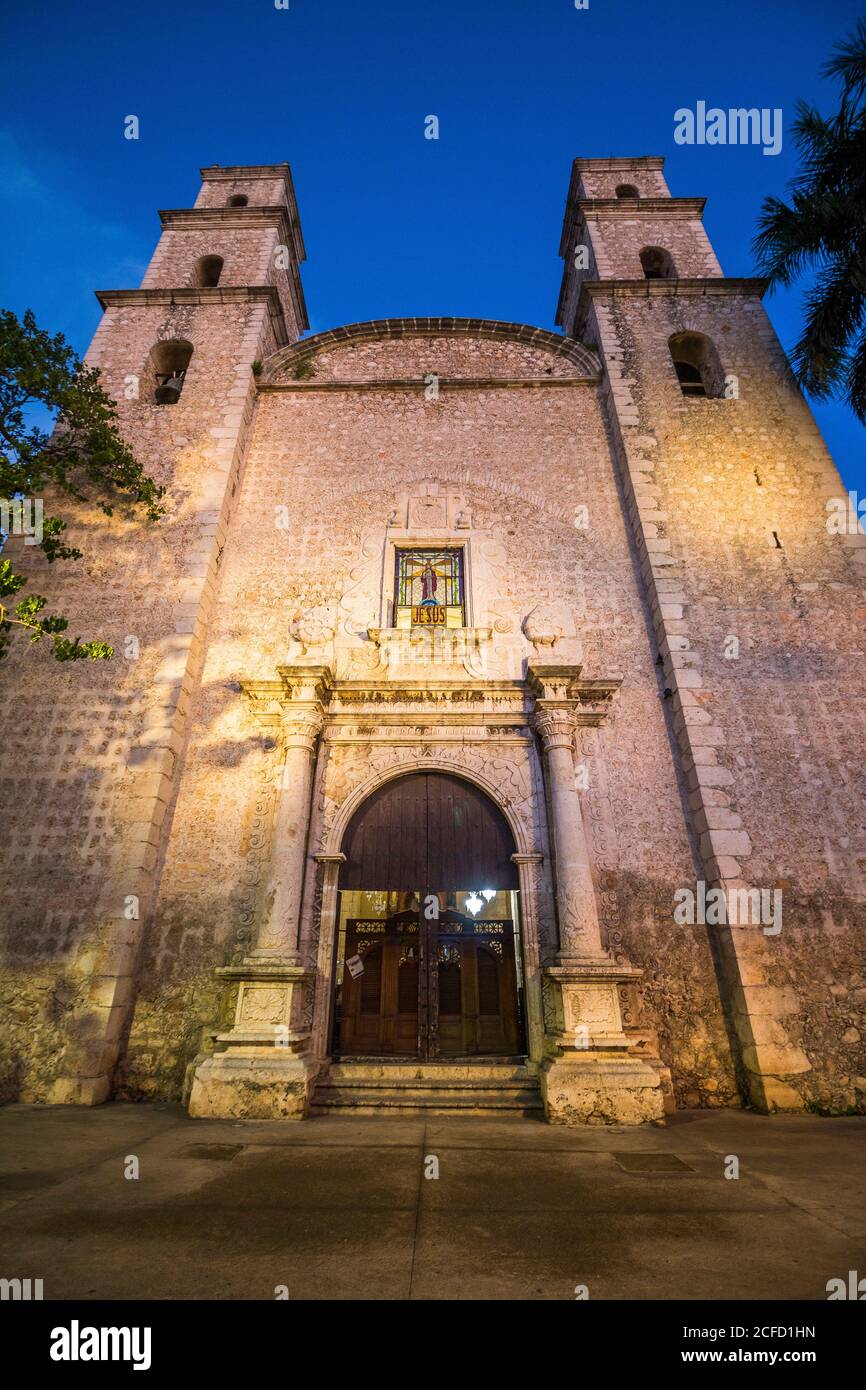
484, 731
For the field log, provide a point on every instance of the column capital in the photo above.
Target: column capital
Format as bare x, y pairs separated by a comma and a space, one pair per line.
527, 859
308, 689
555, 727
301, 727
553, 680
299, 690
560, 686
338, 858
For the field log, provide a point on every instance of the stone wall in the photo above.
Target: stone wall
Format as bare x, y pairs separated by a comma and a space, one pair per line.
263, 188
600, 178
327, 469
676, 545
247, 255
415, 357
727, 498
93, 751
618, 240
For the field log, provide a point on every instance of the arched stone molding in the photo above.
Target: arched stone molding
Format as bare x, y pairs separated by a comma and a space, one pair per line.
583, 359
524, 839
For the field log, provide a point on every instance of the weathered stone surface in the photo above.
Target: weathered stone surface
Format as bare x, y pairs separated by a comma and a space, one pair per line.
611, 525
581, 1091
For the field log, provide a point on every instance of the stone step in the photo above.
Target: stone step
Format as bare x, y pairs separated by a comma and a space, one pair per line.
333, 1100
427, 1087
393, 1074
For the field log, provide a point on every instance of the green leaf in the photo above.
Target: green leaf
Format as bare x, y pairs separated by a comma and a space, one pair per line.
84, 457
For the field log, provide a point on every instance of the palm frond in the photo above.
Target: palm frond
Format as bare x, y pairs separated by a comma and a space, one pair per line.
834, 313
855, 383
781, 248
848, 62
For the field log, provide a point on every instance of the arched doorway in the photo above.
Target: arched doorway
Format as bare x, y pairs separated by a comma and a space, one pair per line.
428, 961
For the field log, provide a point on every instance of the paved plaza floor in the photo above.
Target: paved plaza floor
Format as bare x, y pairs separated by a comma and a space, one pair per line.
338, 1208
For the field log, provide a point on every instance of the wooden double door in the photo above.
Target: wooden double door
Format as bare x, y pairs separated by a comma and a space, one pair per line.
414, 986
428, 960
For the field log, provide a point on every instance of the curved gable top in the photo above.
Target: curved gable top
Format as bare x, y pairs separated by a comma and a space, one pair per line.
516, 350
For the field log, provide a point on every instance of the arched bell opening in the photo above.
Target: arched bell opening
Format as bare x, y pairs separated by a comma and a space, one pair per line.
657, 263
207, 271
167, 367
428, 959
697, 365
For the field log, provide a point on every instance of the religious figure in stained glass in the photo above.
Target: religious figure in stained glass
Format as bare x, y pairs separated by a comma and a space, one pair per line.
429, 584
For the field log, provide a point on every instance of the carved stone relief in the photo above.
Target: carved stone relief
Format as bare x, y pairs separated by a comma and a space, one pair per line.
262, 1004
428, 513
314, 628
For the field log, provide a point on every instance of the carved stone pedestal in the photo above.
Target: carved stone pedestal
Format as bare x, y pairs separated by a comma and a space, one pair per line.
262, 1073
588, 1076
603, 1089
591, 1078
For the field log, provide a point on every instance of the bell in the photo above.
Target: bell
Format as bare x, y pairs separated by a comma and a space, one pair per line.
168, 392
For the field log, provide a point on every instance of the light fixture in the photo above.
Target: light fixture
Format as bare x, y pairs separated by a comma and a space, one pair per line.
474, 903
488, 893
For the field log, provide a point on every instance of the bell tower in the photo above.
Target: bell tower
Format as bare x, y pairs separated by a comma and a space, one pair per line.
180, 357
726, 483
238, 250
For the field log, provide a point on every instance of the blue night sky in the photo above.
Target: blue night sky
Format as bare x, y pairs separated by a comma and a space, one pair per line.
394, 224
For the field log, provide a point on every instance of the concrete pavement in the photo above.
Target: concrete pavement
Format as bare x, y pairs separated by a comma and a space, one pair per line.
337, 1208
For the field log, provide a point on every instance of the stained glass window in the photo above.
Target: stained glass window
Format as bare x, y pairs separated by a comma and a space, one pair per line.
429, 588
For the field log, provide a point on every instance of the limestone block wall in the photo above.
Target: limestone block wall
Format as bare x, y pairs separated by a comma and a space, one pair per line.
93, 750
264, 188
219, 334
255, 257
413, 358
247, 255
612, 232
261, 242
599, 178
326, 469
728, 503
618, 240
578, 250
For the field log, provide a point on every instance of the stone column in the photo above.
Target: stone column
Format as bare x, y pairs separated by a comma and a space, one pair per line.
579, 934
265, 1068
281, 901
329, 868
588, 1075
532, 904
